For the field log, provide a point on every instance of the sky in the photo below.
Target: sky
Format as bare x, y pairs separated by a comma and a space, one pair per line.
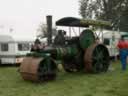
22, 17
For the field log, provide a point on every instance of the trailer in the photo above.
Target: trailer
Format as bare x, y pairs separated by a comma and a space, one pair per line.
13, 48
110, 39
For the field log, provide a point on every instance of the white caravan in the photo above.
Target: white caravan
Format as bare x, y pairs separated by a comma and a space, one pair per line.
13, 49
110, 39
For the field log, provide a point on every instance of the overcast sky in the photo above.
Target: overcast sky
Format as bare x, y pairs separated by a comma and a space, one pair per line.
24, 16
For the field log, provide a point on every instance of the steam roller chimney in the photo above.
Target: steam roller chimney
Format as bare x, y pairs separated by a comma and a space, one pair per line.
49, 29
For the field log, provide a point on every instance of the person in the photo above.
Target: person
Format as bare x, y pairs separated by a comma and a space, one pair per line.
123, 51
37, 45
60, 38
97, 40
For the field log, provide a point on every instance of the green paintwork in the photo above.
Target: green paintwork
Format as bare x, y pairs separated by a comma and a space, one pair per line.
67, 51
86, 39
36, 54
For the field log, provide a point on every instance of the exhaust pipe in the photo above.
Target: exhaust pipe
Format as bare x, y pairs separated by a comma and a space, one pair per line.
49, 29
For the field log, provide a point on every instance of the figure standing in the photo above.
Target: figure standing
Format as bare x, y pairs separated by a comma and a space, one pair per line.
123, 50
60, 38
97, 40
37, 46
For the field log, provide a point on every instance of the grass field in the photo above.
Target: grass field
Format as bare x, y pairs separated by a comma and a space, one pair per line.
112, 83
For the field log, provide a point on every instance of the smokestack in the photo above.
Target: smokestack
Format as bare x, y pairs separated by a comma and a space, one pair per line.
49, 29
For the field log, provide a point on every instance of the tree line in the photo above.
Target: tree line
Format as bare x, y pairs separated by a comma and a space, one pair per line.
115, 11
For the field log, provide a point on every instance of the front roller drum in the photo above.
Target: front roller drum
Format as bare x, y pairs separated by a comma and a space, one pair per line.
96, 58
38, 69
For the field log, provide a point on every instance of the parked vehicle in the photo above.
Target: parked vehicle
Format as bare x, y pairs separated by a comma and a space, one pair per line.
80, 53
110, 39
13, 49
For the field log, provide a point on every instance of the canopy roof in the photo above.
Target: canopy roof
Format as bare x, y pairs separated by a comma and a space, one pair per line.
70, 21
77, 22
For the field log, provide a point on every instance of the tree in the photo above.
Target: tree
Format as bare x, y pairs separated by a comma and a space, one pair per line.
124, 21
42, 31
110, 10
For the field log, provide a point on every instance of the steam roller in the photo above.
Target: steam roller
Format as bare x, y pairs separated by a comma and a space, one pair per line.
83, 55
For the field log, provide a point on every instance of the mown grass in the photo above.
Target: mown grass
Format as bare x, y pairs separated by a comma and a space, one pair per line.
112, 83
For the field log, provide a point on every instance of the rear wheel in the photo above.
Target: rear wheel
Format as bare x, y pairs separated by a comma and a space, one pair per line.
96, 58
